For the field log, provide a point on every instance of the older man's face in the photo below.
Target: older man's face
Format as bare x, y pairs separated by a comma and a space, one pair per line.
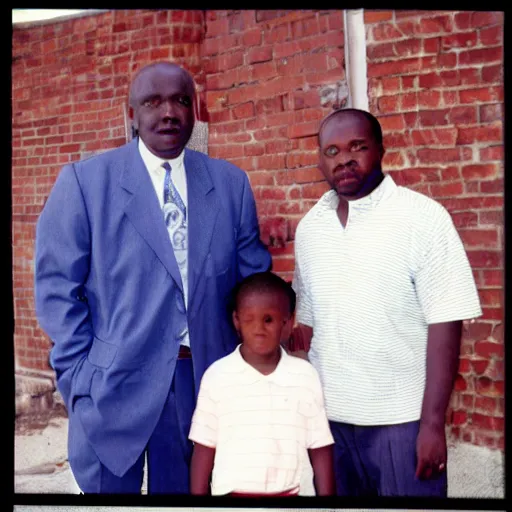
163, 109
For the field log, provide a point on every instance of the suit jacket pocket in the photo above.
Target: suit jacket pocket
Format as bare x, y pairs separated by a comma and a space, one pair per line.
82, 380
102, 354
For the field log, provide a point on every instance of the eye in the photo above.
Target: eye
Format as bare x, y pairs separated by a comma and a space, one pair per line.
331, 151
151, 103
268, 319
185, 100
359, 147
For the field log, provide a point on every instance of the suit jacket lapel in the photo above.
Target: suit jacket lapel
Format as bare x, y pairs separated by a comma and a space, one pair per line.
203, 207
143, 210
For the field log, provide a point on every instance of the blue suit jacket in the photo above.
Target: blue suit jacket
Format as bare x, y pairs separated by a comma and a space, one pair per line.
106, 282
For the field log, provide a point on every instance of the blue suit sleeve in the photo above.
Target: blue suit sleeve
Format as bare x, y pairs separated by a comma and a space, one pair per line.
253, 255
62, 260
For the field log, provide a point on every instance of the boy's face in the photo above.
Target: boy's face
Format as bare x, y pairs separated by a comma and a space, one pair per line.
262, 320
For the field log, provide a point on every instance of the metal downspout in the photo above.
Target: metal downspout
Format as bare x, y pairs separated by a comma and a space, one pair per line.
355, 58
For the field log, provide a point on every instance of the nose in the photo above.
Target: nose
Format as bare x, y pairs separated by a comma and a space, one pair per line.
259, 328
344, 158
168, 109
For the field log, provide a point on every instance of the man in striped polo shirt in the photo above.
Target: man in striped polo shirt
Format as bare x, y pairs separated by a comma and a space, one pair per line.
383, 284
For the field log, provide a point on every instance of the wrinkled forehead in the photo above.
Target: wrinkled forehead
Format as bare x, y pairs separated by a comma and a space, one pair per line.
162, 78
349, 125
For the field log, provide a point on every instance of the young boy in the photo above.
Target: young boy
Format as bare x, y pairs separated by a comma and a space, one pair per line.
258, 408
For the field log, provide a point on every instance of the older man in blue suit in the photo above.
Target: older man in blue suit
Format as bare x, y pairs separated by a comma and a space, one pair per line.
137, 250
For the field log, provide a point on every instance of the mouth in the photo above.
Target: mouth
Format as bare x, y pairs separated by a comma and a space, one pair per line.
169, 132
345, 177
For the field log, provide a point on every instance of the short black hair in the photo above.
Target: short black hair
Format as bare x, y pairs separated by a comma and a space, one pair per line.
159, 64
374, 122
263, 282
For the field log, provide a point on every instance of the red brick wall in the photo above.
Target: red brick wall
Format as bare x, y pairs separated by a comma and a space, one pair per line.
265, 73
435, 82
69, 86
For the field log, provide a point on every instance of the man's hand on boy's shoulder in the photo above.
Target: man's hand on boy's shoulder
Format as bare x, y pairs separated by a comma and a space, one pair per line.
300, 339
289, 347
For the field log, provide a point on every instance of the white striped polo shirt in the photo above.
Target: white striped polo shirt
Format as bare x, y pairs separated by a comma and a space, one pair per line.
260, 425
370, 290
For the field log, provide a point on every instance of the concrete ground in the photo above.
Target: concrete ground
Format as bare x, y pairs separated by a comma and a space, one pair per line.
41, 466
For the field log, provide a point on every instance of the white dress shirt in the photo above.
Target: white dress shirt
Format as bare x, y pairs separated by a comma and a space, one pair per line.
179, 178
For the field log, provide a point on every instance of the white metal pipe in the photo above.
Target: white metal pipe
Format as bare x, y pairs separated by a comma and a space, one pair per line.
355, 58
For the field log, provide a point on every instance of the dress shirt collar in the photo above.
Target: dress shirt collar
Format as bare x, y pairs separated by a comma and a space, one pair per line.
154, 163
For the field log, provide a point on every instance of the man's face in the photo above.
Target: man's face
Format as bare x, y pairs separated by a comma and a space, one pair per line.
162, 109
350, 157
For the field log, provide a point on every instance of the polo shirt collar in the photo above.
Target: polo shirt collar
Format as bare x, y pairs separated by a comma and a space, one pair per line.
386, 187
279, 375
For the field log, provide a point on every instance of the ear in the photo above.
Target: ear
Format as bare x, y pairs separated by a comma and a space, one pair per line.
236, 321
197, 102
134, 127
382, 151
287, 328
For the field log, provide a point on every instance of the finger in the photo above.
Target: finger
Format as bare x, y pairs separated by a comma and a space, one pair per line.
301, 343
295, 341
423, 470
419, 469
437, 467
436, 471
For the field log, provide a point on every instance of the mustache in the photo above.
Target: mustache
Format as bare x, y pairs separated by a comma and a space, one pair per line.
345, 170
170, 128
170, 121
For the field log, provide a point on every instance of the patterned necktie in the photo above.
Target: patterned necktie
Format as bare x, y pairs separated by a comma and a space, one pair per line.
175, 214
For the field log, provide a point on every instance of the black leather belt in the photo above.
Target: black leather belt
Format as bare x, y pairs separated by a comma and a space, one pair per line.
184, 352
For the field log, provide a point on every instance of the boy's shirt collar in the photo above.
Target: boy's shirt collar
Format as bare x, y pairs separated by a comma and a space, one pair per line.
279, 375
